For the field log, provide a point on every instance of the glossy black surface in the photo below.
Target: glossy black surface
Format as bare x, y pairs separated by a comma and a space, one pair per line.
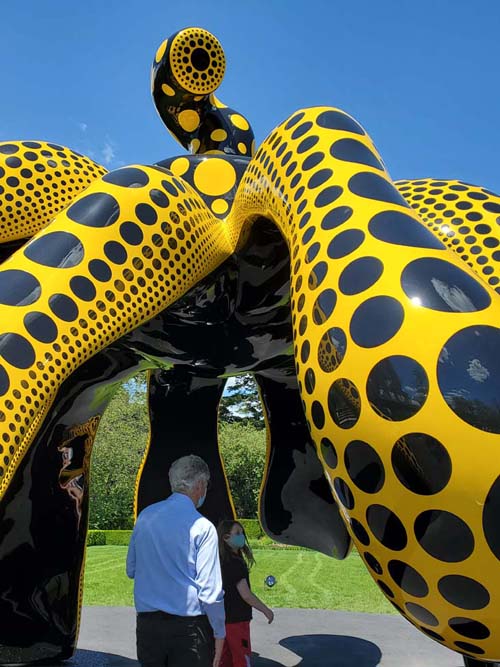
296, 504
43, 518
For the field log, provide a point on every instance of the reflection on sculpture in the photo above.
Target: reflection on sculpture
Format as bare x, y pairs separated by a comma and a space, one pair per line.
375, 349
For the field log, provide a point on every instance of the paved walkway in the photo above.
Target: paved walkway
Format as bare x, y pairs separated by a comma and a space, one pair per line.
305, 637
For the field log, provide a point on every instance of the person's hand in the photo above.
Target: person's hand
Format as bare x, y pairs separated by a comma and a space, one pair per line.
269, 615
219, 644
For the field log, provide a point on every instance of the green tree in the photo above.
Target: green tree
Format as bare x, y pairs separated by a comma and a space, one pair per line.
118, 450
243, 449
241, 402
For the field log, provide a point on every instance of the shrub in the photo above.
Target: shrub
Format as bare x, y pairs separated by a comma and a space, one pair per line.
118, 538
96, 538
252, 528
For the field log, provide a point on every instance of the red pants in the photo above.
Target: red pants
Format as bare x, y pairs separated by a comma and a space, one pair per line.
237, 649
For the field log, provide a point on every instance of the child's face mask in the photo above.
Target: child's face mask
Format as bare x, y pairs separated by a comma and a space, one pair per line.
236, 541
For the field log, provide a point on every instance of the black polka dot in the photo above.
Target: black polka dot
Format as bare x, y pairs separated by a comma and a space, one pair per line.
301, 130
386, 527
100, 270
331, 349
352, 150
364, 466
385, 588
408, 579
468, 375
128, 177
309, 381
115, 252
463, 592
294, 120
336, 217
336, 120
324, 306
83, 288
329, 453
95, 210
13, 162
306, 144
131, 233
344, 493
312, 161
397, 387
146, 214
8, 149
421, 463
373, 563
469, 648
372, 186
317, 275
491, 512
421, 614
16, 350
360, 532
376, 321
345, 243
327, 196
444, 535
4, 381
360, 274
467, 627
63, 307
312, 252
159, 198
170, 188
401, 229
18, 288
41, 327
319, 178
440, 285
318, 414
55, 249
343, 403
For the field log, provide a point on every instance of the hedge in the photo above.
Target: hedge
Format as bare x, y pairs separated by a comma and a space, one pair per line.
253, 530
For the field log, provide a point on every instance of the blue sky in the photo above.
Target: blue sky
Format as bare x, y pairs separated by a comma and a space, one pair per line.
422, 77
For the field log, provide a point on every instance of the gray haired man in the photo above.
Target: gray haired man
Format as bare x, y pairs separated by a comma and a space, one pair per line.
173, 558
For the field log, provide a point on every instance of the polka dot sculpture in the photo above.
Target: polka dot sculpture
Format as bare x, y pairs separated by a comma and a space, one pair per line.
364, 308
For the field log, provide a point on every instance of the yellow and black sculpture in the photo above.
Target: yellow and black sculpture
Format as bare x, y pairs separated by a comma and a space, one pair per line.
375, 348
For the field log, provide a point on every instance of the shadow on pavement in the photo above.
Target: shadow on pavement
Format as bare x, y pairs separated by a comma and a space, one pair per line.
332, 651
85, 658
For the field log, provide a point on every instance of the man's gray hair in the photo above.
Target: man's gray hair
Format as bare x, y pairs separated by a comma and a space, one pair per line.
186, 472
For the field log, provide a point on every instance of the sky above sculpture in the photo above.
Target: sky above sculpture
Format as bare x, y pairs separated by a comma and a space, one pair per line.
421, 77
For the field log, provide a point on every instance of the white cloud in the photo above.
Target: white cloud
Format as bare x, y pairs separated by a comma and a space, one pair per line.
108, 153
477, 371
83, 126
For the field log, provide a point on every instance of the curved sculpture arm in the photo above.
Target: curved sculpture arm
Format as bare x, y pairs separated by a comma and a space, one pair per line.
136, 241
187, 69
37, 181
380, 307
464, 216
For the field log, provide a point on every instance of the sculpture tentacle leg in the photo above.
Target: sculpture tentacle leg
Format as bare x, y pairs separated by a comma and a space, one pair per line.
130, 246
464, 216
37, 181
396, 345
296, 504
44, 514
183, 420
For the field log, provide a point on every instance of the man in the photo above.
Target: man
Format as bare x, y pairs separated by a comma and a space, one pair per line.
174, 559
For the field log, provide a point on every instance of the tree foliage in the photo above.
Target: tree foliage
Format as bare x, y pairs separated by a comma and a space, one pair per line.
243, 449
118, 450
241, 402
122, 438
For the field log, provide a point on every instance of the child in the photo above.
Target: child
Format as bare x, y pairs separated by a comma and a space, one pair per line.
236, 557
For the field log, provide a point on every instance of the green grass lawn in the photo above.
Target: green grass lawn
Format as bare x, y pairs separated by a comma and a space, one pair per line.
305, 579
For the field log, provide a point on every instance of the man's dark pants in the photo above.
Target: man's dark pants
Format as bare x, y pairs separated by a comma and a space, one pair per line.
164, 640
